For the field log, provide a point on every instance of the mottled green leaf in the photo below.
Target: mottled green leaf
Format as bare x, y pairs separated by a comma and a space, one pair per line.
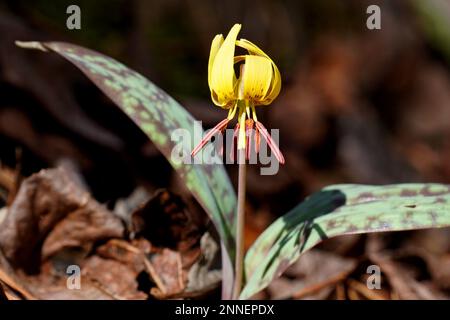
339, 210
158, 115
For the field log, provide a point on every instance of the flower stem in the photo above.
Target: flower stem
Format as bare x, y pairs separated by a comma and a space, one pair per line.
239, 267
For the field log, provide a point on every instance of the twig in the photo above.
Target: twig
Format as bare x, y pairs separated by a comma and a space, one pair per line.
352, 294
364, 290
319, 286
340, 291
7, 178
2, 293
100, 286
154, 275
9, 279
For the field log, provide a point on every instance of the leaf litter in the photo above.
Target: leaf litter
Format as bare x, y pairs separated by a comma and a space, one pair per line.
54, 223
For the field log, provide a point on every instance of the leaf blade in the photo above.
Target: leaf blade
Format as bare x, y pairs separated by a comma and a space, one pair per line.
157, 115
339, 210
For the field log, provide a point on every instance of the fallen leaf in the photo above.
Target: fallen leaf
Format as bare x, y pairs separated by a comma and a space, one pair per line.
165, 268
82, 228
312, 276
205, 274
400, 278
116, 278
43, 200
37, 217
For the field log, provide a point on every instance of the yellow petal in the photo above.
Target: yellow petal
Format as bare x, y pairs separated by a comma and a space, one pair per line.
256, 79
251, 47
275, 86
223, 79
239, 58
215, 46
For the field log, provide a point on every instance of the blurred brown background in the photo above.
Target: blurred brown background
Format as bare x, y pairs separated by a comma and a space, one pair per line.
356, 106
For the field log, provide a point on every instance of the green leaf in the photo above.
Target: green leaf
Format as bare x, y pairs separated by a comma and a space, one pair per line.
339, 210
158, 115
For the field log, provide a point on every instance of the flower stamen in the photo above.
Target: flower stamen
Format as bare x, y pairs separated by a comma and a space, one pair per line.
218, 128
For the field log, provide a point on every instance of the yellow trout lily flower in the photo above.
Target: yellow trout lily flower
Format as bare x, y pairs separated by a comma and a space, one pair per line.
258, 83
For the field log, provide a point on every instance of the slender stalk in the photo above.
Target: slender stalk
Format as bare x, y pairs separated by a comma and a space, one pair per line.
239, 267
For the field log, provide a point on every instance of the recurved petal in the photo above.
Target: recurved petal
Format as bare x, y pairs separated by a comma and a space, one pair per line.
224, 104
223, 79
257, 78
275, 85
215, 46
251, 47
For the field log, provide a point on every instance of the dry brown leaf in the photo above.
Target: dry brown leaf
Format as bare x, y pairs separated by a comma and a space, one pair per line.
42, 201
166, 269
400, 278
165, 221
312, 276
117, 279
38, 214
82, 228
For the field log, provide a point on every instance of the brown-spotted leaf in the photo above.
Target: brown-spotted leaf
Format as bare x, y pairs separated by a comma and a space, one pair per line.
158, 115
339, 210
